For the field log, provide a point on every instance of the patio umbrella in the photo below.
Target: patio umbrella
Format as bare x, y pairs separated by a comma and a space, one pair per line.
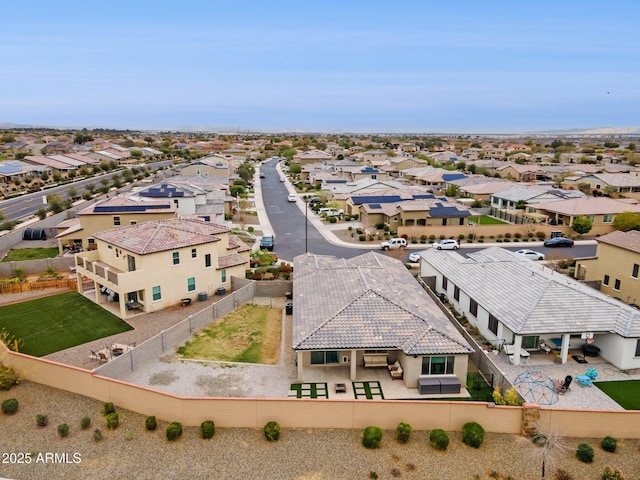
536, 387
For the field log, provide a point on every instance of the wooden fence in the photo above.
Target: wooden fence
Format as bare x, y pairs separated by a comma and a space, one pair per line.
38, 285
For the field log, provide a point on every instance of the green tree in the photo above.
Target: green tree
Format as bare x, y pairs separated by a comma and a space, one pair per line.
237, 190
626, 221
149, 140
56, 205
246, 171
452, 191
581, 225
136, 154
82, 137
295, 168
632, 146
72, 192
41, 213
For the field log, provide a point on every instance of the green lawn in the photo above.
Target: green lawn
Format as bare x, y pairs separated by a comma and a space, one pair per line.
626, 393
51, 324
486, 220
17, 254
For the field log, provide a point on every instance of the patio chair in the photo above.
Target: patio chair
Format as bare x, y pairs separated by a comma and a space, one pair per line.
94, 355
102, 357
564, 387
545, 348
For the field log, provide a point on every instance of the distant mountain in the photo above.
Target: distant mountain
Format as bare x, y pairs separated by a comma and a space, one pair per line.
594, 131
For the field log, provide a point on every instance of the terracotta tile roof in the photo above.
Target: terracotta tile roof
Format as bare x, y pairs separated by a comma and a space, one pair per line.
628, 240
237, 244
232, 260
588, 206
162, 235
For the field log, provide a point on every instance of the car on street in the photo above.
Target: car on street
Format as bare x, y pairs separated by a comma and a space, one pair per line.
394, 243
262, 175
292, 197
446, 244
558, 242
267, 242
531, 254
282, 179
414, 257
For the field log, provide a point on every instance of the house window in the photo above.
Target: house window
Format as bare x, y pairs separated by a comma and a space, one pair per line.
197, 171
456, 293
191, 284
194, 253
91, 241
634, 271
438, 365
616, 285
373, 176
157, 294
323, 357
530, 341
133, 222
473, 307
409, 223
176, 258
607, 219
445, 283
493, 324
591, 218
444, 221
606, 280
109, 247
116, 221
637, 348
223, 275
422, 222
207, 260
462, 221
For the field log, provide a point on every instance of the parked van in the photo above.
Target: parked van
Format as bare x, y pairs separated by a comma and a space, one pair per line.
267, 241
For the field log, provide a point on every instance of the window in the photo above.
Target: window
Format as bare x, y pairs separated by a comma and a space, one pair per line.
445, 283
616, 285
637, 348
176, 258
223, 275
157, 295
591, 218
207, 260
109, 247
456, 293
607, 218
116, 221
422, 222
194, 253
373, 176
473, 307
606, 280
634, 272
91, 241
133, 222
493, 324
439, 365
444, 221
461, 221
530, 341
322, 357
191, 284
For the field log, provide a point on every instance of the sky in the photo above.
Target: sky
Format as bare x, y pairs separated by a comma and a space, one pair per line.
329, 66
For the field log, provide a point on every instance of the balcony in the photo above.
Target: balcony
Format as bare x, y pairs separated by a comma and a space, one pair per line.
117, 280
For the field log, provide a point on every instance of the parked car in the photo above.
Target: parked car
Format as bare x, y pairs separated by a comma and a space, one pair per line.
314, 201
558, 242
262, 175
531, 254
282, 179
331, 212
414, 257
292, 197
267, 242
394, 243
446, 245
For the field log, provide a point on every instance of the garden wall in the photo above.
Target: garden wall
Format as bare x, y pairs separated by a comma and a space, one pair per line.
273, 288
34, 267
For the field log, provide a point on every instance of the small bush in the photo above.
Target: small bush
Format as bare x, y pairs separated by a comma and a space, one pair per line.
97, 435
362, 238
439, 439
42, 420
8, 377
403, 432
333, 219
584, 453
151, 423
10, 406
272, 431
108, 408
113, 420
373, 475
174, 430
472, 434
63, 430
611, 474
372, 437
85, 422
562, 474
609, 444
207, 429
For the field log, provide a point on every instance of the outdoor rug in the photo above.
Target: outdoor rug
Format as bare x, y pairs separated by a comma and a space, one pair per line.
308, 390
579, 359
367, 389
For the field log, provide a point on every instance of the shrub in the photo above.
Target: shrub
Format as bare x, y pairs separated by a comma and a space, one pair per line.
108, 408
541, 235
272, 431
174, 430
8, 377
362, 238
250, 229
113, 420
97, 435
372, 437
207, 429
461, 237
42, 420
611, 474
10, 406
609, 444
584, 453
403, 432
85, 422
472, 434
439, 439
151, 423
562, 474
63, 430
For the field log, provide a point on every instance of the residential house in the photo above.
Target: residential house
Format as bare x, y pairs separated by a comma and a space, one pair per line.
374, 155
212, 166
312, 156
154, 265
514, 301
77, 234
621, 183
55, 166
616, 266
347, 310
522, 173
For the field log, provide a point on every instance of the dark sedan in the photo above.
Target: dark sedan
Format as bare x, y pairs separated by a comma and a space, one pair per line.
558, 242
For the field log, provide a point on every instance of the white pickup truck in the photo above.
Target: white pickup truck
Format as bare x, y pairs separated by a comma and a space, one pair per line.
331, 212
394, 243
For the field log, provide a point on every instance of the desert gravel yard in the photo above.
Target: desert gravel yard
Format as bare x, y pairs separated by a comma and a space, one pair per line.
132, 452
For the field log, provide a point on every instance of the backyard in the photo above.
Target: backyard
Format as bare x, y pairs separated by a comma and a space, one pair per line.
251, 334
54, 323
626, 393
486, 220
19, 254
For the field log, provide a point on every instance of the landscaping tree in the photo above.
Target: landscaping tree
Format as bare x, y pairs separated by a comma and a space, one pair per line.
582, 225
56, 205
626, 221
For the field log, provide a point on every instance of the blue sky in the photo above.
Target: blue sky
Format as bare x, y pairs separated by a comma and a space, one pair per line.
418, 66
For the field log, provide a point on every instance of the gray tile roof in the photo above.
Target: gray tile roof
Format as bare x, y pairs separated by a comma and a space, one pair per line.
530, 298
369, 301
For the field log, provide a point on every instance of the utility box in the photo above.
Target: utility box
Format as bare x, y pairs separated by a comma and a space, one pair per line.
289, 308
221, 291
202, 297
